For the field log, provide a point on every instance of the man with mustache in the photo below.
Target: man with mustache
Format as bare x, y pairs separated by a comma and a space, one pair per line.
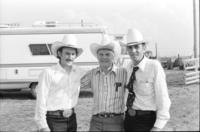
148, 101
107, 83
58, 89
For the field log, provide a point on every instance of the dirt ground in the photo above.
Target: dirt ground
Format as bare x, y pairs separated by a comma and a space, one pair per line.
17, 109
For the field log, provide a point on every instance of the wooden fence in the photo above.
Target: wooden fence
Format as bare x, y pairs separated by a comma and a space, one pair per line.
191, 71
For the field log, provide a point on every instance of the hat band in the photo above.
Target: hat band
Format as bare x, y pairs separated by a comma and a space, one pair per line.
104, 49
131, 43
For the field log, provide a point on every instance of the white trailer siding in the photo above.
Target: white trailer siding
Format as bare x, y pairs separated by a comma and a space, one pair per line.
18, 67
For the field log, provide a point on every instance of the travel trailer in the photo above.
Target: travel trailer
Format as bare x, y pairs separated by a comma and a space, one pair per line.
25, 52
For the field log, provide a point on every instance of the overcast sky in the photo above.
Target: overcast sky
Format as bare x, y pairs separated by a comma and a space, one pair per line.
169, 23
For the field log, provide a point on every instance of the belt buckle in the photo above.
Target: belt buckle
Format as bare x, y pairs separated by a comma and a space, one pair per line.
132, 112
111, 115
103, 115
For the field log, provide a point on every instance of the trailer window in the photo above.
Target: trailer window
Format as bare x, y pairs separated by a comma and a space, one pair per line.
40, 49
49, 46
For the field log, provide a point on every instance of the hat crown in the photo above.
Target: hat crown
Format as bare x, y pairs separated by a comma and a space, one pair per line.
134, 36
105, 39
106, 43
70, 39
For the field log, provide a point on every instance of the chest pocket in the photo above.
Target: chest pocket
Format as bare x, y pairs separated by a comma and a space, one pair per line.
58, 79
119, 83
118, 86
144, 87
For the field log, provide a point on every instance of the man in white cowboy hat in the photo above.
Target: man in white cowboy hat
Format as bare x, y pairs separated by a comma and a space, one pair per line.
107, 83
148, 101
58, 89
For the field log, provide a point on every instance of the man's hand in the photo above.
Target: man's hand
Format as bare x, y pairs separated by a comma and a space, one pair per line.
67, 112
155, 129
44, 130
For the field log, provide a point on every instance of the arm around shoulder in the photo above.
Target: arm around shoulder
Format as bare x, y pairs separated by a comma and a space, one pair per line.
86, 80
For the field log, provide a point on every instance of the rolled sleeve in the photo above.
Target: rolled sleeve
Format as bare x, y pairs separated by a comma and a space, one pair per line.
42, 92
86, 80
163, 102
160, 123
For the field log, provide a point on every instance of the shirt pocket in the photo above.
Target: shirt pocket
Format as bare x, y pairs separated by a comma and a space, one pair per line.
75, 81
144, 87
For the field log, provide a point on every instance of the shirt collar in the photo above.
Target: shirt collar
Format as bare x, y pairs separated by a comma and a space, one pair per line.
63, 70
113, 69
142, 63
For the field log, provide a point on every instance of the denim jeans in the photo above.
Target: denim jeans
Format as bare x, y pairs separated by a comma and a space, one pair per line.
59, 123
106, 124
139, 122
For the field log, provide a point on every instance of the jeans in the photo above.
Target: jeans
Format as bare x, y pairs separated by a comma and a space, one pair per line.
59, 123
139, 122
106, 124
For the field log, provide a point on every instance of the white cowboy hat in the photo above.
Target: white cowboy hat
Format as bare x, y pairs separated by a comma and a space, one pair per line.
68, 41
134, 37
106, 43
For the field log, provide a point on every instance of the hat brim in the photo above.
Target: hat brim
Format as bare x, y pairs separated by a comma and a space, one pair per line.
135, 43
56, 45
95, 47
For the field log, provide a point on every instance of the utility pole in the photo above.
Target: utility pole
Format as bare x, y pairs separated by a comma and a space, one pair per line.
156, 51
194, 29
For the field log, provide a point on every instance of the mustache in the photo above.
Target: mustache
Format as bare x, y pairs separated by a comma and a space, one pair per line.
69, 60
104, 60
134, 54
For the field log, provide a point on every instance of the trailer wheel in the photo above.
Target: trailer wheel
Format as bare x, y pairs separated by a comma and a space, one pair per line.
33, 90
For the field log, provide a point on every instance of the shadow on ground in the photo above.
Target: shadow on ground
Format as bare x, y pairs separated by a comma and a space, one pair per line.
25, 94
20, 94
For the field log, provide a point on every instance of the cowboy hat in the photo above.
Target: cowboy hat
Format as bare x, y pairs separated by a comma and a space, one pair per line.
134, 37
68, 41
106, 43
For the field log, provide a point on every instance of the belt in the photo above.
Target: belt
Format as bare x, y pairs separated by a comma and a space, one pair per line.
143, 112
107, 115
58, 113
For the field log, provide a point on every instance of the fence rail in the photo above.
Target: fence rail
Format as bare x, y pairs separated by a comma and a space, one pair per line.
191, 71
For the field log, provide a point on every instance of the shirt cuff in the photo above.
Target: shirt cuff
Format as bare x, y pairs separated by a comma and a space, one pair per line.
42, 124
160, 123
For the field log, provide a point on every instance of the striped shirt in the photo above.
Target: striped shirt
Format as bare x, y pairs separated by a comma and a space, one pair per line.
108, 89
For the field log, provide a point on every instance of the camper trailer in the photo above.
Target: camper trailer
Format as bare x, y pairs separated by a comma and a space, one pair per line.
25, 52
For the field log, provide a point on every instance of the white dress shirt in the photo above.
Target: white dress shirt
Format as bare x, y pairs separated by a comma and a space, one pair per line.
57, 90
151, 90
